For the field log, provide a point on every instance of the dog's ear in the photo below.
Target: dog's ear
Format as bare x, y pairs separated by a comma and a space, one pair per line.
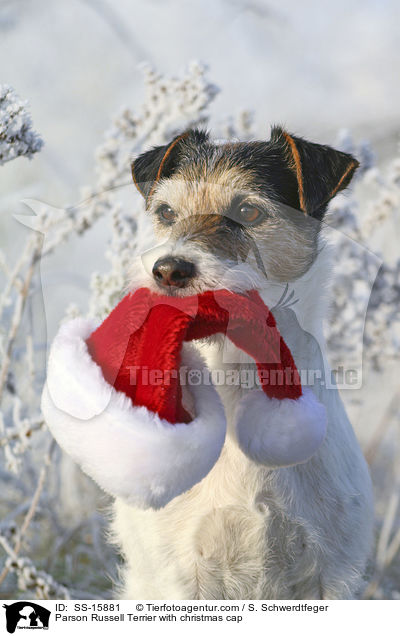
320, 171
162, 161
154, 164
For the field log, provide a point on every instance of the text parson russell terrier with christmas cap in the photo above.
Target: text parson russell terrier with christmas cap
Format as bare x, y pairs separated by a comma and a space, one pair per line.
224, 488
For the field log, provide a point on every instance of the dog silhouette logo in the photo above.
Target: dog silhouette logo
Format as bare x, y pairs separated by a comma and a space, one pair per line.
26, 615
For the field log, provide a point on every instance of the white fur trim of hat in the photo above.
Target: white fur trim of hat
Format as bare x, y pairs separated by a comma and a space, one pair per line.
128, 450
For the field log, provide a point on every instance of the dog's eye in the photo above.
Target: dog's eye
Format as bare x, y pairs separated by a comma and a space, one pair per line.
166, 213
248, 214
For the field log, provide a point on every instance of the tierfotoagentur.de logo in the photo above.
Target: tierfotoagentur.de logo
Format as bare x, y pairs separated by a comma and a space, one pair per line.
26, 615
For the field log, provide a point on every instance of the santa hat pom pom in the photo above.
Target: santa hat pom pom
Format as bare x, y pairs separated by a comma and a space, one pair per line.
280, 432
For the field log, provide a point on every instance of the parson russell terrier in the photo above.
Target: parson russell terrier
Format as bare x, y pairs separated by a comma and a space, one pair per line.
242, 216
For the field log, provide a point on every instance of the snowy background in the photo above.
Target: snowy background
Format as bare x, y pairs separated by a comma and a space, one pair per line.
320, 69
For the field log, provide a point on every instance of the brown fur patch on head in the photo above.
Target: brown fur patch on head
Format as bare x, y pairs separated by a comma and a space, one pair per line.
288, 243
294, 160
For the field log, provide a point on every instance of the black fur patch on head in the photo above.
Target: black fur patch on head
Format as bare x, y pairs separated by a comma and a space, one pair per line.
162, 161
271, 173
320, 171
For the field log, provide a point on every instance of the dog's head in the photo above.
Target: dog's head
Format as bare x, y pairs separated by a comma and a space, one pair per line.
236, 214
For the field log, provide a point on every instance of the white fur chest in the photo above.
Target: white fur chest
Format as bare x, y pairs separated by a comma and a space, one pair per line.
205, 541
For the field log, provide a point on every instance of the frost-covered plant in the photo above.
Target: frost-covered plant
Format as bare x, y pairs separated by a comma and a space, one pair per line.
170, 106
42, 551
17, 138
362, 278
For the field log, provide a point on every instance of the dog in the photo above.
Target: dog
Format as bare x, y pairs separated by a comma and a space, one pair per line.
241, 215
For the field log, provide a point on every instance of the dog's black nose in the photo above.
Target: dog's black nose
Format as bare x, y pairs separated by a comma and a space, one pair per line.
171, 271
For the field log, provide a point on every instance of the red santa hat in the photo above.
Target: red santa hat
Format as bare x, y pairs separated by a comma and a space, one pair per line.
114, 397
